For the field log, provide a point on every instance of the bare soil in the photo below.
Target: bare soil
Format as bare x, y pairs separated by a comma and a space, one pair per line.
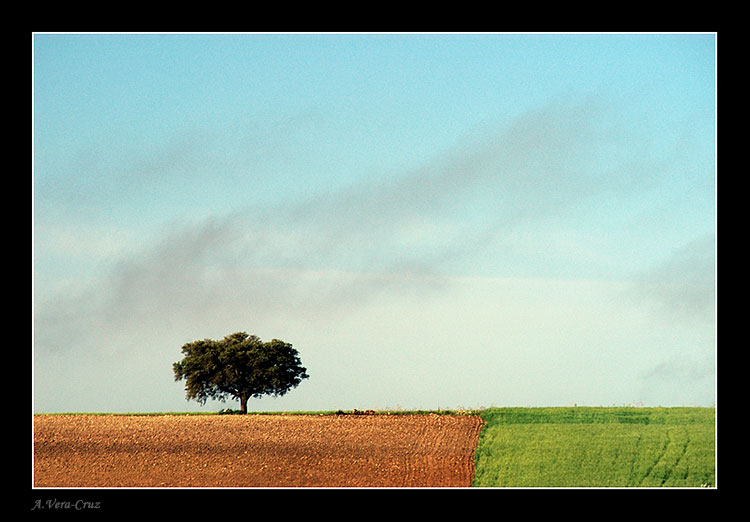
255, 450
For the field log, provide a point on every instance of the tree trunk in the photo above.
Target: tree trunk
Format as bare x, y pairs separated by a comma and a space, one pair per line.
243, 404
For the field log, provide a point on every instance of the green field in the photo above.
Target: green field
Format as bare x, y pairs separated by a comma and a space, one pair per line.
597, 447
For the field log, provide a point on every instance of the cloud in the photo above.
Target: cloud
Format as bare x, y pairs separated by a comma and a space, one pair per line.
683, 286
394, 234
683, 378
545, 163
310, 264
679, 295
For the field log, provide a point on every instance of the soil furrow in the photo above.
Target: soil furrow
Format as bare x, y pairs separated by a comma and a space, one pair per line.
255, 450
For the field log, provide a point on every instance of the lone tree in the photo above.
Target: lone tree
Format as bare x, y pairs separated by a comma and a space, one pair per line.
240, 366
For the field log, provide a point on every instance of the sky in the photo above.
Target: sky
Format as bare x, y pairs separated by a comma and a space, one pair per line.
433, 221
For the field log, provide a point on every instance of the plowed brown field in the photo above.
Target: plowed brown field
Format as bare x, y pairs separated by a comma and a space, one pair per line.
255, 450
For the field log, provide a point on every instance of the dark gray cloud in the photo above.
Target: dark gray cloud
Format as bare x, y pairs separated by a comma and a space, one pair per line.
327, 252
681, 379
683, 286
680, 294
544, 163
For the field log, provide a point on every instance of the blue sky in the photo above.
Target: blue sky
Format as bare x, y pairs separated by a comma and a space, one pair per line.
432, 220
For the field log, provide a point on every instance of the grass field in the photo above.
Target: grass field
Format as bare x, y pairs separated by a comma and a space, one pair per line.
596, 447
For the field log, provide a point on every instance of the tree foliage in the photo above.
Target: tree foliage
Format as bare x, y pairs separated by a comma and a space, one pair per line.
240, 366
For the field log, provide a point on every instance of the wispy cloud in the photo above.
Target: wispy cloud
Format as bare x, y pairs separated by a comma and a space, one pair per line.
389, 235
679, 294
683, 287
546, 162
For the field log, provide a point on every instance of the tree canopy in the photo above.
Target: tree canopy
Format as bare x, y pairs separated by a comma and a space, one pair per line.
240, 366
